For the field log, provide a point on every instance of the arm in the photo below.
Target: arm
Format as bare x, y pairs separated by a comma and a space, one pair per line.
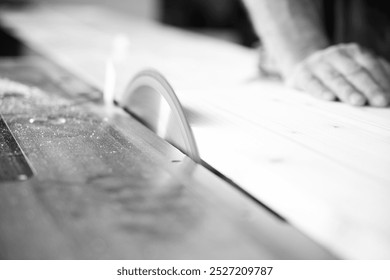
292, 32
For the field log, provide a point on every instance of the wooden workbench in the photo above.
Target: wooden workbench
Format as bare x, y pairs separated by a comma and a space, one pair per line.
322, 166
105, 187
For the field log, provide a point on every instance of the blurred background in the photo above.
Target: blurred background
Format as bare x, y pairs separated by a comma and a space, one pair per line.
224, 19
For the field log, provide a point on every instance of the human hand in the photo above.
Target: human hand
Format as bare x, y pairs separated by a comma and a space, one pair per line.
344, 72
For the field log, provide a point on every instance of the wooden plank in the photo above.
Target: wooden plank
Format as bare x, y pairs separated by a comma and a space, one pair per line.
105, 187
322, 165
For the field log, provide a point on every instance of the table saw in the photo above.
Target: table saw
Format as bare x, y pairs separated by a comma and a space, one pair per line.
279, 175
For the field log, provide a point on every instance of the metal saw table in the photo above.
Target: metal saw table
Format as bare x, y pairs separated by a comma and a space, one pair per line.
280, 169
105, 187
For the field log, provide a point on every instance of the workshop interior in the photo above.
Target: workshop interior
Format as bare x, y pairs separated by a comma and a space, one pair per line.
161, 129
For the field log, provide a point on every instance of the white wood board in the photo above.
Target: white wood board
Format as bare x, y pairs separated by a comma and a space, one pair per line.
323, 166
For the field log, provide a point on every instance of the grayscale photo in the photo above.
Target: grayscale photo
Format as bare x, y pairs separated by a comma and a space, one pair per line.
195, 130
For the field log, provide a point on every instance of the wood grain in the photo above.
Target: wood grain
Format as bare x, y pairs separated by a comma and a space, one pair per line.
105, 187
323, 166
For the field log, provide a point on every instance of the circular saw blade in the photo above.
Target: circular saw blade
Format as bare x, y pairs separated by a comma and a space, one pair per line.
151, 99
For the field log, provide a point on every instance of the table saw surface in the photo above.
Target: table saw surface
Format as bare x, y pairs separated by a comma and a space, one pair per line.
101, 179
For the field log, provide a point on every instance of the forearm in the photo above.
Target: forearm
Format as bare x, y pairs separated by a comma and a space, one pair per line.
290, 30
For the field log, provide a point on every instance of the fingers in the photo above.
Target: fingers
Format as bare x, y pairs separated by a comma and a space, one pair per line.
372, 78
310, 83
338, 84
372, 63
347, 73
359, 78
